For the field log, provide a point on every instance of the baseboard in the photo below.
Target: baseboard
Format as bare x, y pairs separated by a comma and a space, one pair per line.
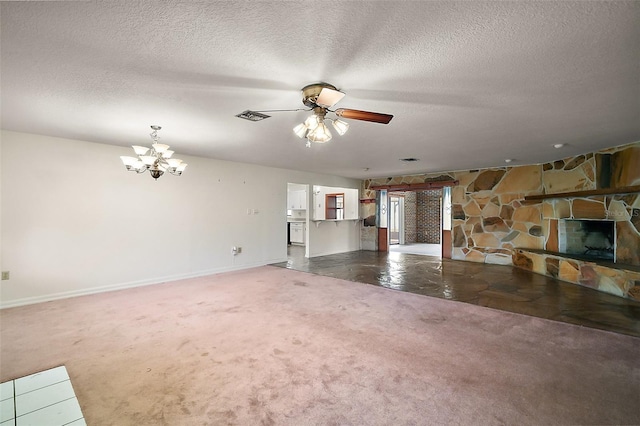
122, 286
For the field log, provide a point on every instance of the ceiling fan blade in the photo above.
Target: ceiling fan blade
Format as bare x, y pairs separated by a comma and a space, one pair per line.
329, 97
354, 114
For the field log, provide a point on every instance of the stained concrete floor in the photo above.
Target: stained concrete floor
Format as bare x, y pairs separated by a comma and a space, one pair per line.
494, 286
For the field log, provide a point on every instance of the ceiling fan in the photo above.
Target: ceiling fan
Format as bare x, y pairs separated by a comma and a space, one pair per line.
320, 98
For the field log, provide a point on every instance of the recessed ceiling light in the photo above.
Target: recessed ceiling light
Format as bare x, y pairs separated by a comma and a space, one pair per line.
508, 160
558, 145
409, 159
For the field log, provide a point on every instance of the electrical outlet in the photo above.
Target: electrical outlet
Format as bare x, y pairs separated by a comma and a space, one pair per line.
5, 275
238, 250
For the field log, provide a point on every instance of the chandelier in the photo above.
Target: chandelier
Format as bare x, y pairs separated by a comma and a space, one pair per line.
156, 159
314, 129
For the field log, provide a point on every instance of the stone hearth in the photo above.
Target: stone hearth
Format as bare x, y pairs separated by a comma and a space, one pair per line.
620, 280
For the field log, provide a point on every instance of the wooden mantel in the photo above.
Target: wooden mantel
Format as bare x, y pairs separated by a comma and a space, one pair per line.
416, 186
587, 193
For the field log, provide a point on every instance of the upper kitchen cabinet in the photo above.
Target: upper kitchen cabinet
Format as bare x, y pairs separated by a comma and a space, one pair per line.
297, 200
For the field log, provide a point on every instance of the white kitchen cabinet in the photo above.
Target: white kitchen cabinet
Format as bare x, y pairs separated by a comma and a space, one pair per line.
298, 231
297, 200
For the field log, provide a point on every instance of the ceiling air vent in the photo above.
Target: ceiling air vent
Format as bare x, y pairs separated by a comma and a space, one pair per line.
409, 160
252, 115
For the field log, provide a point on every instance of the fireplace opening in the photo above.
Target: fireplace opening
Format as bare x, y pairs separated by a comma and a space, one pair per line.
591, 239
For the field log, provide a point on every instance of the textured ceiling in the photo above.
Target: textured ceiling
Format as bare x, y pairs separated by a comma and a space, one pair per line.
469, 83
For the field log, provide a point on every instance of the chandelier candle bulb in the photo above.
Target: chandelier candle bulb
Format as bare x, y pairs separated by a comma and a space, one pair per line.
140, 150
148, 159
129, 162
160, 147
174, 162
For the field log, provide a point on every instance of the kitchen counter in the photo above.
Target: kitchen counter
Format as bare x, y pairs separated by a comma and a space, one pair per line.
296, 219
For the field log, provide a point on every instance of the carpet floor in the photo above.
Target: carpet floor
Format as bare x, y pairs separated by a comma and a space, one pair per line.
272, 346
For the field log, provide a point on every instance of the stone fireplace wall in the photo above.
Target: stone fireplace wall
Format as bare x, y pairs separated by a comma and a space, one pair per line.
491, 218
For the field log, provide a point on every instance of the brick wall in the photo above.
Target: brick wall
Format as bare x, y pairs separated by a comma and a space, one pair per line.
428, 216
410, 224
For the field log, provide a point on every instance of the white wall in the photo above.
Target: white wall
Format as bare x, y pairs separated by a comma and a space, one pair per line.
1, 268
74, 221
333, 236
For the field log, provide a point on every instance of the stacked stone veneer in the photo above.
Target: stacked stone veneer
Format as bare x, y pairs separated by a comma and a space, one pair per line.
621, 279
618, 281
491, 219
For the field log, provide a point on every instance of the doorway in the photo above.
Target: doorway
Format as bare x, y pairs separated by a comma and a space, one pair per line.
297, 220
396, 219
415, 224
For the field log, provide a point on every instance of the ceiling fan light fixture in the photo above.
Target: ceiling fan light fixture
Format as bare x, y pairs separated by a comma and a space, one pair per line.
340, 126
312, 121
300, 130
320, 134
